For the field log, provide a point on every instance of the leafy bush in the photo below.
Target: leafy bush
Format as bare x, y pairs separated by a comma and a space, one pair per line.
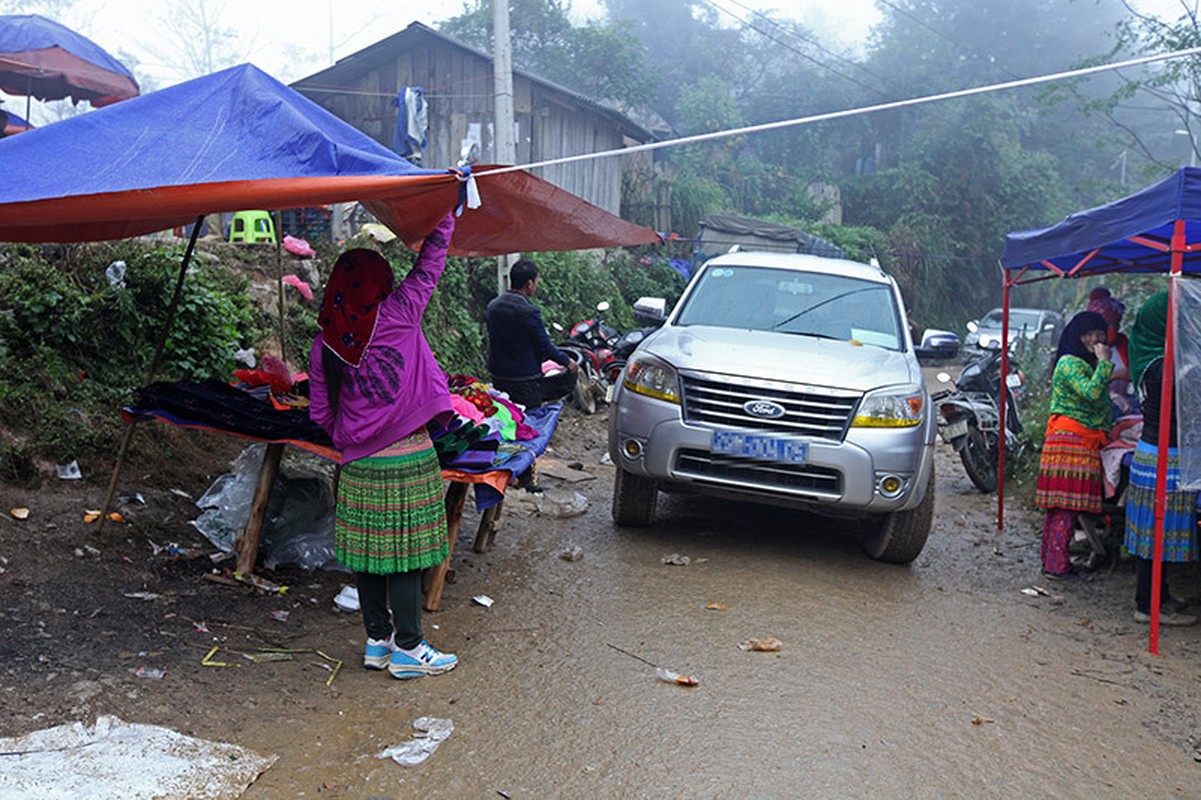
72, 346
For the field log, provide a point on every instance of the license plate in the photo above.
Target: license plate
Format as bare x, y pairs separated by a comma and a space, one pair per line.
759, 446
953, 430
1013, 380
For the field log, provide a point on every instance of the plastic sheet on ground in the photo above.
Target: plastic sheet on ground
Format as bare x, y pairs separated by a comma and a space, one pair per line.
550, 503
299, 525
118, 759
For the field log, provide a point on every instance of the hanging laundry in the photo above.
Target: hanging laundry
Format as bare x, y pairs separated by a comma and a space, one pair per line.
412, 121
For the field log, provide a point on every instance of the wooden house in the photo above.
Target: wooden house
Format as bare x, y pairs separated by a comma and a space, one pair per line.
457, 80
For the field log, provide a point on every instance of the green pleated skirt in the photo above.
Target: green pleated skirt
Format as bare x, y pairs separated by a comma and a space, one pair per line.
391, 516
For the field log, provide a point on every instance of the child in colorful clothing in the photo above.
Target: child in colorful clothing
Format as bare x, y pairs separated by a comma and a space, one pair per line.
1069, 470
374, 384
1180, 507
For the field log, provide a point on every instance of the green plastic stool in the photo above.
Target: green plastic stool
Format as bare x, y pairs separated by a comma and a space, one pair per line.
252, 226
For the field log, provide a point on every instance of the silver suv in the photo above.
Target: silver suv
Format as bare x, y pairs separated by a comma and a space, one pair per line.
783, 379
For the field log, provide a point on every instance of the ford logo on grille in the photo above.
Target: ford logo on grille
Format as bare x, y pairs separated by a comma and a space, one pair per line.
763, 409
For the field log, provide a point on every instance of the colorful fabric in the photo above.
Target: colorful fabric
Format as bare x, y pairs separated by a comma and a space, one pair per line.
1180, 511
390, 513
1080, 390
1069, 473
465, 408
1058, 528
360, 281
1148, 334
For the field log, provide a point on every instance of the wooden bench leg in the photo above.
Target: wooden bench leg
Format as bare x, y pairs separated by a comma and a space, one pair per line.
247, 545
456, 496
489, 522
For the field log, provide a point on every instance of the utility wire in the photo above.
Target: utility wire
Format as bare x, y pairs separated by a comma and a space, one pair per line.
851, 112
792, 49
958, 45
793, 32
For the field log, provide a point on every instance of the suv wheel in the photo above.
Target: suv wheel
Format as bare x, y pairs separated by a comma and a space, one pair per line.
899, 537
634, 499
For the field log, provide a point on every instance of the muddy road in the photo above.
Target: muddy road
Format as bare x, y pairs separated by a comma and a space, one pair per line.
940, 679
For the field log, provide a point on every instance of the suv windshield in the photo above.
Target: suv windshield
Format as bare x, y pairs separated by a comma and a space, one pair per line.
790, 301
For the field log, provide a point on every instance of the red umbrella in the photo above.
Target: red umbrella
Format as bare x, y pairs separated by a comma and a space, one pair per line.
43, 59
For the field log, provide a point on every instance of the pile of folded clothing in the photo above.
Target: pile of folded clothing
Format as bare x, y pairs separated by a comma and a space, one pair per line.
480, 432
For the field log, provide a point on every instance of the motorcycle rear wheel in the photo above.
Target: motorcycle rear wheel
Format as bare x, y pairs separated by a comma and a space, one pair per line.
979, 461
582, 394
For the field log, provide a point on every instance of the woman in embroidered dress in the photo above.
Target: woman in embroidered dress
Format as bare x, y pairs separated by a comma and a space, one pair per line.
1180, 508
1069, 470
374, 384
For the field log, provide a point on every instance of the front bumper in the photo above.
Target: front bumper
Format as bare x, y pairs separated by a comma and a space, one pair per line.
649, 437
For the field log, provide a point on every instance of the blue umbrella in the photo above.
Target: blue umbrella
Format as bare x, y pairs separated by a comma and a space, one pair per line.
43, 59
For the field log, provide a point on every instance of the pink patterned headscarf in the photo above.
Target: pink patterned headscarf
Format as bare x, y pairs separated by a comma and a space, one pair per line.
1100, 301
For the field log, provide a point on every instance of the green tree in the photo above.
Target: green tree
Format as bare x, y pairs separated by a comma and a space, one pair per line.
602, 61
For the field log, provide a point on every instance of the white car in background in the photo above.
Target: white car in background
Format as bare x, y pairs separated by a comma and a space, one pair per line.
1031, 324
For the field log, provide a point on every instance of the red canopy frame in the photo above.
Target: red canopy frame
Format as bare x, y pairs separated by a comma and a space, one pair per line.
1175, 249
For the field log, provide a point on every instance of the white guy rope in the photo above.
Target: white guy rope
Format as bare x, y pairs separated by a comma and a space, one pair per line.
850, 112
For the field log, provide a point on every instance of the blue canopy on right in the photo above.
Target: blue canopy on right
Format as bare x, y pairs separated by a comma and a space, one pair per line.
1132, 234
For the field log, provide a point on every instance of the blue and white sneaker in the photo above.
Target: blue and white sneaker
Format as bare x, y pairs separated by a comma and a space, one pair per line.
428, 661
378, 652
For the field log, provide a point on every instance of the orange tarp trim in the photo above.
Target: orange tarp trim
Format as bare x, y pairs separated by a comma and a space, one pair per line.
520, 213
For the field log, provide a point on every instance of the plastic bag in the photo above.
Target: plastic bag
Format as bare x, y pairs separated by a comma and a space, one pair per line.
298, 527
429, 732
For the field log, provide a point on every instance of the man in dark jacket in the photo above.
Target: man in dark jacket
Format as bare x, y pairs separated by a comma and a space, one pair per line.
518, 344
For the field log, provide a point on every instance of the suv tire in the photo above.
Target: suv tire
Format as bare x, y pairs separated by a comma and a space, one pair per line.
634, 499
899, 537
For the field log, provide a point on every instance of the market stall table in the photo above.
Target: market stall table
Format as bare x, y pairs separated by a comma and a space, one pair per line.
224, 409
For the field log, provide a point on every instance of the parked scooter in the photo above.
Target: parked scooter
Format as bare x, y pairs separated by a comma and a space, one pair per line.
590, 343
969, 415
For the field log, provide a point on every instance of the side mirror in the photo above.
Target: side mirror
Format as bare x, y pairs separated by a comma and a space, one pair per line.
602, 306
1050, 326
972, 325
557, 326
650, 311
943, 377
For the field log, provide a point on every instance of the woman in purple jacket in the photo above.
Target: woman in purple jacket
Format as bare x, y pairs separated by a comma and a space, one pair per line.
374, 384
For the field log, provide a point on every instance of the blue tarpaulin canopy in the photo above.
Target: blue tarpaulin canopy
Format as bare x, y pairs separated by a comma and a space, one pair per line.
239, 139
1132, 234
1155, 230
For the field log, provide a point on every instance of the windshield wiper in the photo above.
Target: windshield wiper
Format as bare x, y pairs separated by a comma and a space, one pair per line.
816, 306
814, 334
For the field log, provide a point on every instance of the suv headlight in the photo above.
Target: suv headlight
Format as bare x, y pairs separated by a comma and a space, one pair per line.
652, 378
897, 407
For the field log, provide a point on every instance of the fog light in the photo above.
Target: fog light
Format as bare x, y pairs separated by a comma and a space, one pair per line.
890, 485
632, 448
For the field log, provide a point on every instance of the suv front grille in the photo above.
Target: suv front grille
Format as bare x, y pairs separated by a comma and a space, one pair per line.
767, 475
824, 414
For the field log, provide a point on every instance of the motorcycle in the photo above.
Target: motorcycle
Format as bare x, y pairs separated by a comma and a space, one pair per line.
591, 343
969, 415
